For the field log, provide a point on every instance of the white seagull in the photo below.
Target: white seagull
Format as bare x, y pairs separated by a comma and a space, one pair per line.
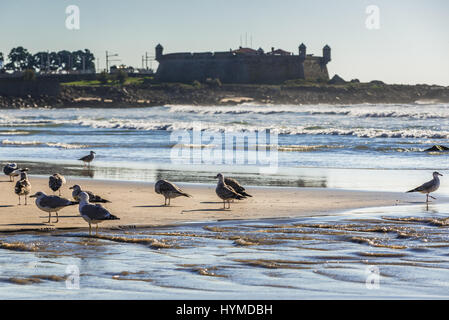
169, 190
56, 181
92, 197
225, 192
51, 203
429, 186
93, 214
11, 170
88, 159
23, 186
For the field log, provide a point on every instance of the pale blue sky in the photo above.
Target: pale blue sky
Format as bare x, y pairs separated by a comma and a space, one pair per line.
411, 46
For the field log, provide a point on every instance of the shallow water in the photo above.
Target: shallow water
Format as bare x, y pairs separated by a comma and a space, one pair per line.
405, 247
324, 136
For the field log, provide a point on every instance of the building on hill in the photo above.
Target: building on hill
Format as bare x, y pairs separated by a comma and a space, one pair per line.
243, 65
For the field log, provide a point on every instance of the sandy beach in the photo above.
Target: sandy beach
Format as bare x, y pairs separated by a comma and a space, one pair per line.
138, 205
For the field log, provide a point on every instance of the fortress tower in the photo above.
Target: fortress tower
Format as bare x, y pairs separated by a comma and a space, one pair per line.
302, 51
159, 50
243, 65
326, 54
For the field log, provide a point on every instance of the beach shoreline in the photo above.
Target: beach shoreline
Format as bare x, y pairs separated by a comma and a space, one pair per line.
138, 206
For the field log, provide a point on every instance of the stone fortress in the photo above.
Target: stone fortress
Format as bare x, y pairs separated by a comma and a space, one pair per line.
244, 65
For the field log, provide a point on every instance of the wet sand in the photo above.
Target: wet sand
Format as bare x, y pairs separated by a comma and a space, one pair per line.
138, 205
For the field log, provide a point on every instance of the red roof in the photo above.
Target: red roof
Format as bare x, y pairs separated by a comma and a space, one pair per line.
245, 51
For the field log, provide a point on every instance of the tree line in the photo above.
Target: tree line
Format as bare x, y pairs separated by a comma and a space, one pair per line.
20, 59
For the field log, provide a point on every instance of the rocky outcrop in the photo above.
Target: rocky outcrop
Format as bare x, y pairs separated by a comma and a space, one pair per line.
437, 148
154, 94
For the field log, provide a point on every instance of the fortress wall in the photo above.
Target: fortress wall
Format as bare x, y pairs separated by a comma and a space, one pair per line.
202, 54
313, 69
272, 69
179, 55
238, 69
223, 54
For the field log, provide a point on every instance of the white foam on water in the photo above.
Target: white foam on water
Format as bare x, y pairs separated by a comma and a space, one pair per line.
7, 142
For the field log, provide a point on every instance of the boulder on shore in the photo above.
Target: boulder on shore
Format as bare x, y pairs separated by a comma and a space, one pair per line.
438, 148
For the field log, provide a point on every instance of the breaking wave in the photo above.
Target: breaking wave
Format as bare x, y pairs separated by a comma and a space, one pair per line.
39, 143
145, 125
440, 111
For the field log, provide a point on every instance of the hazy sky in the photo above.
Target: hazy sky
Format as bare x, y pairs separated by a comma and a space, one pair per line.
411, 45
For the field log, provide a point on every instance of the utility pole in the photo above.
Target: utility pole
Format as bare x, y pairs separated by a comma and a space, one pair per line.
147, 58
48, 61
110, 60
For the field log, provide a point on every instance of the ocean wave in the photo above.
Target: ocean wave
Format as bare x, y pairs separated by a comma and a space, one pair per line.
40, 143
144, 125
359, 111
306, 148
14, 133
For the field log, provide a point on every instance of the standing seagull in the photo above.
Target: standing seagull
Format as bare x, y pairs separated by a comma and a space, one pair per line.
55, 182
51, 203
23, 186
92, 197
88, 159
169, 190
429, 186
93, 213
225, 192
234, 184
11, 170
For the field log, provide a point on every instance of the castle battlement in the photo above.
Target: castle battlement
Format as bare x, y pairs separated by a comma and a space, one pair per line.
243, 65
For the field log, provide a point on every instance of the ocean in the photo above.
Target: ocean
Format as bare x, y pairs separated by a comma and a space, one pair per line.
391, 252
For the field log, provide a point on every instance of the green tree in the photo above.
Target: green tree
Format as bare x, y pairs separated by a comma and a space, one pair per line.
55, 61
19, 59
65, 60
40, 61
1, 60
83, 60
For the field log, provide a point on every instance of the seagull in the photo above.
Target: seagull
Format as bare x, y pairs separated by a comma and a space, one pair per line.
225, 192
429, 186
11, 170
93, 213
51, 203
234, 184
55, 182
92, 197
23, 186
88, 159
169, 190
